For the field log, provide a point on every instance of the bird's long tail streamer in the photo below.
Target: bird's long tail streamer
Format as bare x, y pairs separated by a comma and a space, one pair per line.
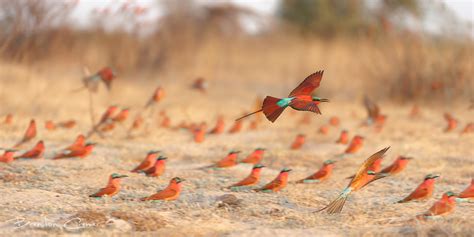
258, 111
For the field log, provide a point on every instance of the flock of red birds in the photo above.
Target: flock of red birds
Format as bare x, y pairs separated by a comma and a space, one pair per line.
300, 99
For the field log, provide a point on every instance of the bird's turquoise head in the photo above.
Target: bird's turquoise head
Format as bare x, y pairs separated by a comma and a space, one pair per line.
315, 98
285, 170
234, 152
258, 166
118, 176
328, 162
431, 176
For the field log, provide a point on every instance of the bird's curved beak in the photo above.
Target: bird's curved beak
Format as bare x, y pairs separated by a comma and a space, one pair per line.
324, 100
122, 176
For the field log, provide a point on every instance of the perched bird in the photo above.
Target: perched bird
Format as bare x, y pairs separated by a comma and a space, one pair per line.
321, 175
355, 145
236, 127
278, 183
252, 179
343, 138
468, 129
29, 134
7, 156
8, 119
147, 163
104, 120
298, 142
79, 152
165, 122
220, 126
467, 193
106, 75
67, 124
77, 144
157, 96
49, 125
397, 166
121, 116
358, 182
112, 188
452, 122
200, 84
324, 129
199, 133
255, 157
35, 153
137, 123
423, 191
158, 168
170, 193
228, 161
334, 121
299, 99
445, 206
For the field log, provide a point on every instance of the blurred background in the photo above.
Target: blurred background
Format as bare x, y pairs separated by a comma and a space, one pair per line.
397, 50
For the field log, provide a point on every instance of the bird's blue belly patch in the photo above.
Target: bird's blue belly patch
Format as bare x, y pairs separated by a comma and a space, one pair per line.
284, 102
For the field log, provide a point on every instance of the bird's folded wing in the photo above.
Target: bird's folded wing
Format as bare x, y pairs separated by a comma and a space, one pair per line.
308, 85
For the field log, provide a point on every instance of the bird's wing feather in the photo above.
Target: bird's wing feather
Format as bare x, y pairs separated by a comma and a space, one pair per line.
163, 194
362, 172
305, 106
247, 181
308, 85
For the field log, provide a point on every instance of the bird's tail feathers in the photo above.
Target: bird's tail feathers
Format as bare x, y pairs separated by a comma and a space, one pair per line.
271, 109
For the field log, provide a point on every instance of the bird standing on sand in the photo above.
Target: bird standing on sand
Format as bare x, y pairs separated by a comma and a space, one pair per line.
236, 127
467, 193
29, 134
158, 168
252, 179
298, 142
35, 153
423, 191
343, 138
156, 97
355, 145
121, 116
321, 175
468, 129
77, 144
7, 156
220, 125
79, 152
228, 161
147, 163
112, 188
445, 206
299, 99
278, 183
358, 182
170, 193
452, 122
397, 166
255, 157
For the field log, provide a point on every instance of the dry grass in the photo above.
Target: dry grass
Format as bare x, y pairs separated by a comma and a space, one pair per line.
57, 190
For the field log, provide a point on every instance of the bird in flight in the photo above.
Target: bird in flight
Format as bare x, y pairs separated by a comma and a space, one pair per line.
299, 99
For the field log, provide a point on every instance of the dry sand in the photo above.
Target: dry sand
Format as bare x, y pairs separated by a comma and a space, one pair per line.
45, 192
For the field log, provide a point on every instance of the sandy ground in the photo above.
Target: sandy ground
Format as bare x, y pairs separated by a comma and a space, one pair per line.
49, 197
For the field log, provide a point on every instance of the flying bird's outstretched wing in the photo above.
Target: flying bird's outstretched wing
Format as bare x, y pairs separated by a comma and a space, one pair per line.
303, 105
364, 168
308, 85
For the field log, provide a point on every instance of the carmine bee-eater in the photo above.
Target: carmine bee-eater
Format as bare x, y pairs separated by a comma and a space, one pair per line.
7, 156
200, 84
445, 206
299, 99
334, 121
105, 119
397, 166
415, 111
468, 193
170, 193
220, 126
298, 142
324, 129
157, 96
321, 175
165, 122
35, 153
29, 134
358, 182
121, 116
375, 168
199, 133
67, 124
137, 122
112, 188
8, 119
423, 191
255, 157
252, 179
106, 75
236, 127
49, 125
228, 161
158, 168
468, 129
278, 183
78, 143
452, 122
343, 138
373, 112
355, 145
147, 163
79, 152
